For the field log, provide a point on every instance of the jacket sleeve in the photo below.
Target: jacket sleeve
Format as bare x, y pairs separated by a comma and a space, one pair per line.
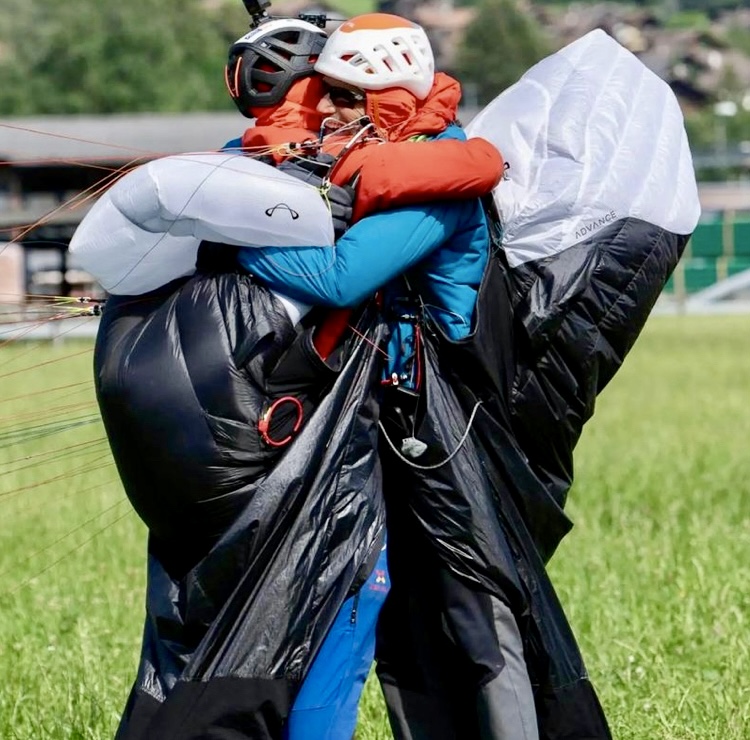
369, 255
409, 172
233, 145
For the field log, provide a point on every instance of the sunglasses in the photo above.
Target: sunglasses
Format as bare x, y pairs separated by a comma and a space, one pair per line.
343, 97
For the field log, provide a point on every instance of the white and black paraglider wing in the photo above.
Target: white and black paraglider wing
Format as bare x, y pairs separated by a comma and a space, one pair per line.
597, 205
145, 231
591, 136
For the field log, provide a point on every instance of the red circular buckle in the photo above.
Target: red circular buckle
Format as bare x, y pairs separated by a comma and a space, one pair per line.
265, 421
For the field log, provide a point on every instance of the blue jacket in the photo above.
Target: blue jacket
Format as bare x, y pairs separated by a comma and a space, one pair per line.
378, 249
448, 240
446, 244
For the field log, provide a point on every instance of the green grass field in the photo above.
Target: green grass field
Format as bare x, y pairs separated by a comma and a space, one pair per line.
654, 576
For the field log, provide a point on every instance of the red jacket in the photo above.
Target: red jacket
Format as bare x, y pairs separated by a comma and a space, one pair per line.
401, 171
295, 119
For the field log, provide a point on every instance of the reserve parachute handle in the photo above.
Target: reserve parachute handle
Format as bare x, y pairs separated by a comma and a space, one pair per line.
264, 423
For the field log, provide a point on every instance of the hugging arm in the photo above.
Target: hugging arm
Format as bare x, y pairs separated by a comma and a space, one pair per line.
370, 254
410, 172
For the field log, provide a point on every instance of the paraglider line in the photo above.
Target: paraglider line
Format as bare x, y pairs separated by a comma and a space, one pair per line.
51, 455
47, 362
70, 552
87, 468
447, 459
34, 415
370, 342
45, 501
49, 546
47, 390
26, 434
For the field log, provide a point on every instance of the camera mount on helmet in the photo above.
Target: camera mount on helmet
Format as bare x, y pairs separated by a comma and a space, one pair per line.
317, 19
256, 9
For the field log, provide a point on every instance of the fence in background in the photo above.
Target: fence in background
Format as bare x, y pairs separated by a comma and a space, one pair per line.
718, 249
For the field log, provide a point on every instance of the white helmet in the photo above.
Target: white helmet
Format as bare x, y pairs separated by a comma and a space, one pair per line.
378, 50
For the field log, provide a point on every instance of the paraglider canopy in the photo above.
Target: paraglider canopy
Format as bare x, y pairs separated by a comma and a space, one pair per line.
145, 231
592, 137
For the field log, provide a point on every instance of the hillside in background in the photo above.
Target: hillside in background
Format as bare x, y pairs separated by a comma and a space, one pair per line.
91, 57
701, 48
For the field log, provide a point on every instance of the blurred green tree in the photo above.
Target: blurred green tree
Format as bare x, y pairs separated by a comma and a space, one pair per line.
105, 57
500, 44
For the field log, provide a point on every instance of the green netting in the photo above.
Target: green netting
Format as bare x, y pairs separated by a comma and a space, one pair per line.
699, 273
741, 231
737, 264
707, 240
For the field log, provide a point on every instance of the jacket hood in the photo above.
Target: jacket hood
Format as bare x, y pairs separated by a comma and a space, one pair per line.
398, 114
297, 110
294, 119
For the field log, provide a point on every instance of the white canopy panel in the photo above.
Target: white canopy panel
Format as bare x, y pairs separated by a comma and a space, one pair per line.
146, 229
591, 136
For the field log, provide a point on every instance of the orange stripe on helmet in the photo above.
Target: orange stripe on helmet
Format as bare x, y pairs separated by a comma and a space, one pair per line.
227, 82
237, 75
233, 85
375, 22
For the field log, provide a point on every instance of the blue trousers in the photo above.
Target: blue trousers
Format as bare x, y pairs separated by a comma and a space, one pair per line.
326, 706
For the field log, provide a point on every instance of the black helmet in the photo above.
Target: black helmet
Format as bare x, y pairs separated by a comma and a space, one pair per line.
265, 62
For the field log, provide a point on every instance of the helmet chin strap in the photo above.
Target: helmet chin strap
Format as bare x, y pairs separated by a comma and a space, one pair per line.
331, 125
364, 126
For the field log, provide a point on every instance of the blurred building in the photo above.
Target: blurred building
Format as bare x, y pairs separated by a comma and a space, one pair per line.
444, 22
52, 168
11, 272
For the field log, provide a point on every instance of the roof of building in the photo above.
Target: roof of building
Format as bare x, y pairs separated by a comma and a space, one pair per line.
120, 137
33, 140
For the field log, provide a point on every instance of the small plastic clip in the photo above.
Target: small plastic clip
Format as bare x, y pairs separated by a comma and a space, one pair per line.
393, 380
413, 447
